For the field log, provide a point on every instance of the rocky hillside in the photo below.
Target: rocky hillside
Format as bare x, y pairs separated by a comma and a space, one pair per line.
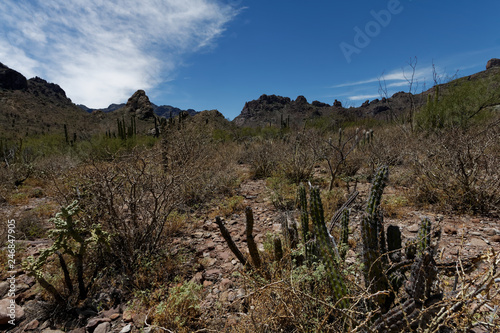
272, 109
35, 106
166, 111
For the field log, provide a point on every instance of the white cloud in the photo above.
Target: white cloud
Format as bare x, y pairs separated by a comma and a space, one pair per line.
362, 97
401, 75
101, 51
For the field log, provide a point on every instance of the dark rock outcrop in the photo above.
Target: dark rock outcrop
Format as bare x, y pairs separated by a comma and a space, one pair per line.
320, 104
11, 80
495, 62
39, 87
140, 105
301, 100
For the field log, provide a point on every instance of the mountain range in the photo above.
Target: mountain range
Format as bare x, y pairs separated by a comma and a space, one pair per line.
35, 106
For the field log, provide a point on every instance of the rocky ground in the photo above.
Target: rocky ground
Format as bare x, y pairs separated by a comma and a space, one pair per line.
464, 236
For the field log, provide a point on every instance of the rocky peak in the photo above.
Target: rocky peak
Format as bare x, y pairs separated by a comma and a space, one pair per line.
495, 62
11, 79
301, 100
39, 86
140, 105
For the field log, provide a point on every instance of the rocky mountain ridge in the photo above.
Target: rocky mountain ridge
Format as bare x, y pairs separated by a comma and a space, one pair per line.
273, 110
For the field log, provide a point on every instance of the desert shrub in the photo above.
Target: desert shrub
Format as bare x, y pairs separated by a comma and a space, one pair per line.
282, 193
388, 146
301, 301
263, 156
132, 198
181, 308
298, 158
458, 169
463, 104
202, 166
30, 226
229, 206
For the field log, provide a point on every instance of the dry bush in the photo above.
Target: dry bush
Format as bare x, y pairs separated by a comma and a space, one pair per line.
298, 157
263, 156
206, 167
389, 146
458, 169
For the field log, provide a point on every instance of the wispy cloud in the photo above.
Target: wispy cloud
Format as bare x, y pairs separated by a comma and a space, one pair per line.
362, 97
100, 51
401, 76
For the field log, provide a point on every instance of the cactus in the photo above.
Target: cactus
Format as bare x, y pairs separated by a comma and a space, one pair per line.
326, 249
69, 236
394, 242
304, 219
252, 247
227, 237
372, 232
66, 133
344, 234
424, 236
278, 249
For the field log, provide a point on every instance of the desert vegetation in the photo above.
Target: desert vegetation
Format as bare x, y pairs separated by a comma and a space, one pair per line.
206, 226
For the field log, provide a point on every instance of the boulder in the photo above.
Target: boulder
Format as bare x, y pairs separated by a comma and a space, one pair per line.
103, 328
495, 62
6, 313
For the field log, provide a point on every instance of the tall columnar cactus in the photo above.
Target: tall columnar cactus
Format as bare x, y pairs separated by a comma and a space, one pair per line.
344, 234
252, 246
304, 221
326, 249
372, 231
66, 133
424, 236
394, 242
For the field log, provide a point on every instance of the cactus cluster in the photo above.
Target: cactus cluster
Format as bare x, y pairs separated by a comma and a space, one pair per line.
384, 264
125, 131
373, 235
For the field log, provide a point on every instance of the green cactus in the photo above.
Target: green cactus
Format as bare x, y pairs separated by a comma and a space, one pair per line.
344, 234
304, 219
424, 236
73, 239
372, 232
326, 249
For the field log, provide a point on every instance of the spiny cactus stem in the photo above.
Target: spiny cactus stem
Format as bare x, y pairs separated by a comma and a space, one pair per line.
227, 237
252, 246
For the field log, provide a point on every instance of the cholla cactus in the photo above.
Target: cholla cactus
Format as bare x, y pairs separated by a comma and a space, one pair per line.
73, 239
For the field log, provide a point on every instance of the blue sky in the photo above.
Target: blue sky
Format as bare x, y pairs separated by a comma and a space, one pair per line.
215, 54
